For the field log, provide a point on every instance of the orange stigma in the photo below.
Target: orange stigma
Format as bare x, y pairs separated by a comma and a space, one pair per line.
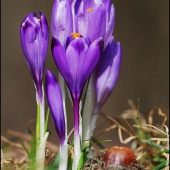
75, 35
39, 19
90, 9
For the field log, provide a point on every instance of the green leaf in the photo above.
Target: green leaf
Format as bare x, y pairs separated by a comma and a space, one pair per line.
56, 161
33, 150
158, 159
46, 120
38, 126
26, 150
81, 161
55, 164
31, 153
153, 144
70, 162
98, 143
160, 166
164, 151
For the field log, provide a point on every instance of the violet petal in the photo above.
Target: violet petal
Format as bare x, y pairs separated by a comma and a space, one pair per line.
61, 20
55, 103
108, 71
78, 62
96, 22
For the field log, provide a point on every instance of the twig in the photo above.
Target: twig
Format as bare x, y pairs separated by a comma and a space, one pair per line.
18, 145
52, 146
134, 133
70, 133
28, 127
118, 124
22, 159
157, 129
106, 130
2, 157
29, 137
159, 112
146, 129
19, 134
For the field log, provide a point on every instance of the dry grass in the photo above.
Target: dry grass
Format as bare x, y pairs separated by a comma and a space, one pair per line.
145, 138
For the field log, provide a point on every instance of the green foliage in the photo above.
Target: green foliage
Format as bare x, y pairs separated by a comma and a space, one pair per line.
158, 159
97, 143
55, 164
70, 162
163, 151
161, 166
46, 120
82, 160
161, 159
35, 141
38, 126
84, 153
26, 150
31, 153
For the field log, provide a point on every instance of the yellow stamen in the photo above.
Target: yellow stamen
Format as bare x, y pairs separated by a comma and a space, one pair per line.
75, 35
38, 19
90, 9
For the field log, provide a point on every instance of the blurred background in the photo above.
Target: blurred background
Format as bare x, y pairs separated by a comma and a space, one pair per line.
142, 27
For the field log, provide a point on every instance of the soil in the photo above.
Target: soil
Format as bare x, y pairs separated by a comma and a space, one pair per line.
96, 163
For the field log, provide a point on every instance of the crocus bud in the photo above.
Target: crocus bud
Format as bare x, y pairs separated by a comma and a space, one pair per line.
119, 155
107, 72
54, 99
34, 36
55, 103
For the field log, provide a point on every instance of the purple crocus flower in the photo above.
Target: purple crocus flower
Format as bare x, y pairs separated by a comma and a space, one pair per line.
54, 99
76, 63
55, 103
90, 19
107, 72
34, 36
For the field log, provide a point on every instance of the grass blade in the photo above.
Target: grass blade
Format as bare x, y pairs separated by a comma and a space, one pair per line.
46, 120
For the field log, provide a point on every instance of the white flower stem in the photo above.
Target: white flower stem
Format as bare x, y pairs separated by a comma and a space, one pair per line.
40, 154
63, 156
42, 120
77, 148
40, 103
64, 146
41, 138
77, 151
62, 87
93, 120
88, 110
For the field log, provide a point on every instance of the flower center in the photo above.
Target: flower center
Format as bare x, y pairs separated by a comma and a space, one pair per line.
75, 35
90, 9
39, 19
